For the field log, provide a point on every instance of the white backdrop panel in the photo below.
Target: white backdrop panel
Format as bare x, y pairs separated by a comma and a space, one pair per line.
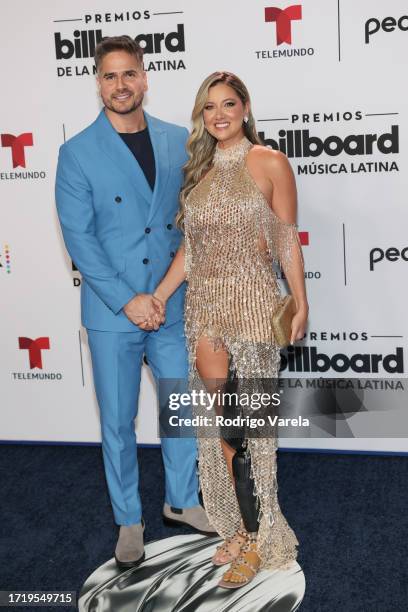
327, 83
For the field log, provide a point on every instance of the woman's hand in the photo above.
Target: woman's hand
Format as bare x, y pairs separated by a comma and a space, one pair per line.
160, 302
157, 318
299, 322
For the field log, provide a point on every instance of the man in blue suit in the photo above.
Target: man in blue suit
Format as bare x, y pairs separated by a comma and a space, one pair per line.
117, 192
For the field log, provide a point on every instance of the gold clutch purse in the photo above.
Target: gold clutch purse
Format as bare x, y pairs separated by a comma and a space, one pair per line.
282, 321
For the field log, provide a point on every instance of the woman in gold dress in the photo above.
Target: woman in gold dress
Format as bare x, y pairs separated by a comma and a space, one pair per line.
238, 212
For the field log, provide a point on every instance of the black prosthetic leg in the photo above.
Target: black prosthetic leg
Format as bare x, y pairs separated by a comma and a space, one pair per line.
241, 463
244, 489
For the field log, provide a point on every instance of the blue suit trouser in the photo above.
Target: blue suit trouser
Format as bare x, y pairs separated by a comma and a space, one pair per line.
117, 359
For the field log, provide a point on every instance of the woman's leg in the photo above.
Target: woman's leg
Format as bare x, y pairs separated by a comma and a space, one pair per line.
212, 366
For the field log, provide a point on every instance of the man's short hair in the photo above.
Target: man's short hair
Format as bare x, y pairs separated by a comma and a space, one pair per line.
117, 43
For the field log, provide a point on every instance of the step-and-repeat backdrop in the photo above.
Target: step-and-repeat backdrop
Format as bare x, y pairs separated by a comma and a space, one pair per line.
329, 88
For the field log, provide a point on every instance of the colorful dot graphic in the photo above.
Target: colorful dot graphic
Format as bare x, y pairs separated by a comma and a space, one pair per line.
7, 253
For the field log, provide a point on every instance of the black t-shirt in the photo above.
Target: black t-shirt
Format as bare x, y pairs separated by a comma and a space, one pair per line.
141, 146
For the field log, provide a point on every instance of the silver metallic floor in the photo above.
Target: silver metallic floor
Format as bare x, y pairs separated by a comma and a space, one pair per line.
178, 576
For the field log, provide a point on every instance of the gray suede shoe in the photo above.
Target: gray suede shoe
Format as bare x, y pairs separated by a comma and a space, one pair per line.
129, 550
194, 517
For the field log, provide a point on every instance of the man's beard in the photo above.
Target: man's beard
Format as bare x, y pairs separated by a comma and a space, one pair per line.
137, 102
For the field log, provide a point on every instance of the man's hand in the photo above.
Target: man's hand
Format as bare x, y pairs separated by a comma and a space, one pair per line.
145, 311
159, 316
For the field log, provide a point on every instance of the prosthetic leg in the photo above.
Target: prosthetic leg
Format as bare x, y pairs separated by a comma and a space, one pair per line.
244, 489
245, 567
241, 463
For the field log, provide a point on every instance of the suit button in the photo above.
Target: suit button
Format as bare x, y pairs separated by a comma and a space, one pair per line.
147, 230
118, 199
145, 261
169, 226
171, 253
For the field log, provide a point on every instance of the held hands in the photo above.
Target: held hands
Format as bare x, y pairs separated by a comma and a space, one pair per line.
146, 311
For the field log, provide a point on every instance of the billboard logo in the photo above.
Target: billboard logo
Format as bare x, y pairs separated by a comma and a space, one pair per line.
17, 145
301, 143
283, 19
34, 348
308, 359
84, 43
161, 49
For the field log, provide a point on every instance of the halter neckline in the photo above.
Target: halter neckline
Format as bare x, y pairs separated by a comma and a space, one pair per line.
234, 153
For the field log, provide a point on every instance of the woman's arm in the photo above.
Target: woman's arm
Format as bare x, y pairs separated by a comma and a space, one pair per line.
273, 174
173, 278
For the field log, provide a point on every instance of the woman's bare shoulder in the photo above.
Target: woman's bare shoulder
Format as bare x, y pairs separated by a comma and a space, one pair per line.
272, 161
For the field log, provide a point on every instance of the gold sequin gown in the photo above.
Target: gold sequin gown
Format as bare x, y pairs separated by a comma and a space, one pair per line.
231, 239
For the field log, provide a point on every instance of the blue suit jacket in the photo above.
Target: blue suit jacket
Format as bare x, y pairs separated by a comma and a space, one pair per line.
120, 235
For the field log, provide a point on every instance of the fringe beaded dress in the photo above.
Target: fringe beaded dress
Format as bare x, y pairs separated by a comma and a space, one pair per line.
231, 239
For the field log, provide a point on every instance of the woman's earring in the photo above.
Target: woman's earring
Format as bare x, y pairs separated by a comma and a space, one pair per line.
246, 119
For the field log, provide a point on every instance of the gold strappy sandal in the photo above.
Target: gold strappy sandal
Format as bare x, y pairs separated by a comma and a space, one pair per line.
239, 537
244, 568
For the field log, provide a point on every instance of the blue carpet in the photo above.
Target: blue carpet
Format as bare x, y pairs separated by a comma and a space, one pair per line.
348, 512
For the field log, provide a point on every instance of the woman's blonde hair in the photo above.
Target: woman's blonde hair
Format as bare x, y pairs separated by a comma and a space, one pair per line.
201, 145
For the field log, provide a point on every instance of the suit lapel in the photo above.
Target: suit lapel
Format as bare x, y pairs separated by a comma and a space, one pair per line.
158, 137
119, 153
